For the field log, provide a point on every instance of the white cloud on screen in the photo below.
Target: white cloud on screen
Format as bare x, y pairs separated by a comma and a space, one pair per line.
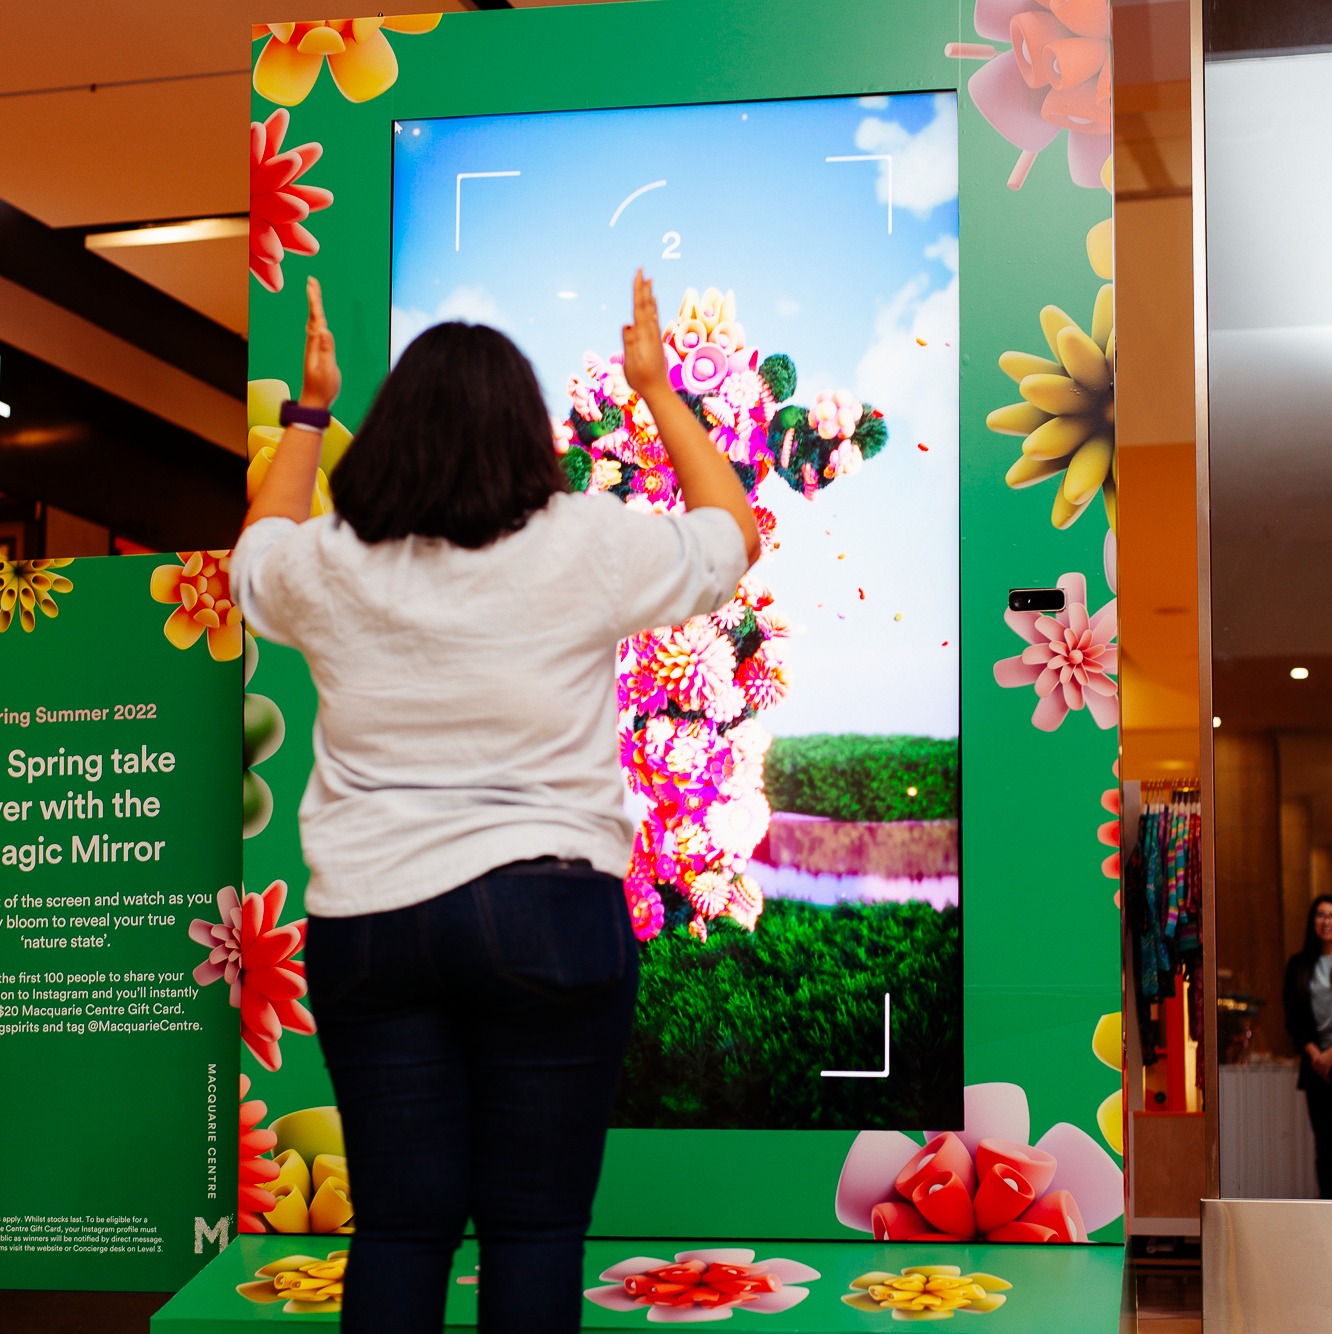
875, 102
923, 172
471, 304
916, 387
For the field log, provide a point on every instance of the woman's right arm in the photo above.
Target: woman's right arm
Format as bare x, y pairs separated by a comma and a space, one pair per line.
290, 481
706, 476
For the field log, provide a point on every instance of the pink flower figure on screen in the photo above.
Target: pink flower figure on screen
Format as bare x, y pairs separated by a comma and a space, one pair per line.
1071, 659
688, 694
253, 954
703, 1285
255, 1170
279, 203
986, 1181
646, 910
1055, 76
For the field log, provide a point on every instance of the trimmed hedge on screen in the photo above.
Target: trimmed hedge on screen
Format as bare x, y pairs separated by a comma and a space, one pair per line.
851, 777
734, 1033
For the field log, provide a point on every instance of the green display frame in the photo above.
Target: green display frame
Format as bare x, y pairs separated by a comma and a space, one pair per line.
1042, 973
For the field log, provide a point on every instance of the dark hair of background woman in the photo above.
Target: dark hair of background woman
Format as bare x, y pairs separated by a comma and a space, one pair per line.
457, 444
1313, 946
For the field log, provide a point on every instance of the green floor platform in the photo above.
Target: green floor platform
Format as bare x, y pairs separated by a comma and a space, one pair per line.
1054, 1289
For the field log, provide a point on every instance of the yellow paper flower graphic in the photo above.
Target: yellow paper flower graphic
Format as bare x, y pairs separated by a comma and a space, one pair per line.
1107, 1043
928, 1292
1067, 415
201, 586
263, 405
1101, 238
311, 1191
308, 1285
359, 56
26, 587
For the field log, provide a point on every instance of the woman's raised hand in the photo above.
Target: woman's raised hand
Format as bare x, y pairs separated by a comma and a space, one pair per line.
322, 379
644, 357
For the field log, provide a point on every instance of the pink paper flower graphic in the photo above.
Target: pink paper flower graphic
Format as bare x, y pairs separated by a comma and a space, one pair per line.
1055, 76
279, 203
1071, 660
253, 955
255, 1169
703, 1285
987, 1180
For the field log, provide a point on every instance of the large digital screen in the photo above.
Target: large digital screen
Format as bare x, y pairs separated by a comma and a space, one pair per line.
791, 761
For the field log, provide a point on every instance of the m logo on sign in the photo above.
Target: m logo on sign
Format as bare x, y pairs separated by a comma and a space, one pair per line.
218, 1233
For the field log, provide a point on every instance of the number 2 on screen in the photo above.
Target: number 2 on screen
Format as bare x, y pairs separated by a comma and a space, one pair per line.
672, 243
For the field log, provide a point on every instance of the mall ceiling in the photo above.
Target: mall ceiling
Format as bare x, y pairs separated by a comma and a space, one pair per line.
133, 111
124, 112
114, 115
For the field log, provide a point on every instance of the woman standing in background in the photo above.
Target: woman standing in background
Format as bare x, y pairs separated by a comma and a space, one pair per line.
1308, 998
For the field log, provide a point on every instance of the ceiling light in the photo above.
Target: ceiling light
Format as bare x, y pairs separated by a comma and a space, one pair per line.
169, 233
1216, 722
1299, 673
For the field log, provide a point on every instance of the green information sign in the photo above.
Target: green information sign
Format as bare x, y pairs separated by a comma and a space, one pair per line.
120, 763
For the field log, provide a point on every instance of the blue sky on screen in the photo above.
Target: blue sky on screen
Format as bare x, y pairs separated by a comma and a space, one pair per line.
742, 196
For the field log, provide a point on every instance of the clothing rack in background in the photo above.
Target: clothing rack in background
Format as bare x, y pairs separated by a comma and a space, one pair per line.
1163, 910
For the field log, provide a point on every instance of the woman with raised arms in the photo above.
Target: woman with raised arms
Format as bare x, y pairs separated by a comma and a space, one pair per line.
470, 960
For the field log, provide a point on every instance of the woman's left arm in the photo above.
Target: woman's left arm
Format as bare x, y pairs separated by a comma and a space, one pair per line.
289, 484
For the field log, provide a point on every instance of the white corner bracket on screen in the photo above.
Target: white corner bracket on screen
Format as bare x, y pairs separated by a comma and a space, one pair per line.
887, 1041
629, 199
872, 157
457, 198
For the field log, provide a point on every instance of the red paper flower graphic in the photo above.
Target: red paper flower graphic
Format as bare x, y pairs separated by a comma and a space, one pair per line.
986, 1181
255, 1169
253, 955
703, 1285
279, 204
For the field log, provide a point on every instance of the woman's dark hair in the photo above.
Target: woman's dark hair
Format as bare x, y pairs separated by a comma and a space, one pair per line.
457, 444
1313, 946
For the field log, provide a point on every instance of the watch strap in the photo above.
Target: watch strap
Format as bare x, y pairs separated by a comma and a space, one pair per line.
296, 414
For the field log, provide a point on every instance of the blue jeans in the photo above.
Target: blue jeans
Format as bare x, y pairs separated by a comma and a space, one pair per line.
475, 1042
